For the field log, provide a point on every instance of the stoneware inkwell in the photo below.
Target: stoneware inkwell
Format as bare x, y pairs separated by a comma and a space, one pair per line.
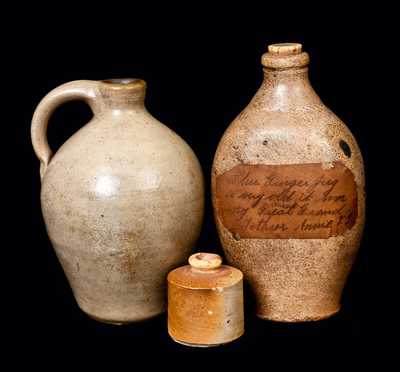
205, 302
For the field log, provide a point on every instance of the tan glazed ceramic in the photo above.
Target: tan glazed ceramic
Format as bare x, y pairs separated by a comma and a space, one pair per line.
205, 302
288, 194
122, 200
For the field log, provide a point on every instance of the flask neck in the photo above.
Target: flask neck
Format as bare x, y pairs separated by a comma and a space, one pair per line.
286, 84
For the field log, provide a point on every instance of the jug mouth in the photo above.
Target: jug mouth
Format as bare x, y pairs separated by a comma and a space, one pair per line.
124, 83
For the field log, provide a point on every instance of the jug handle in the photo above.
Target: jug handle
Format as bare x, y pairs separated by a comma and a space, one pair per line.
85, 90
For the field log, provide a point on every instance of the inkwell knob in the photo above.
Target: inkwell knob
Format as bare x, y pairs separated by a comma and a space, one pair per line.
205, 261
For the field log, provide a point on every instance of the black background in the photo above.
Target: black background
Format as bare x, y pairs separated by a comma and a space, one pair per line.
202, 67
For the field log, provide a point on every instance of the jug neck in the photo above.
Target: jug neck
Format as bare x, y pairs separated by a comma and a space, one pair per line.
286, 84
121, 94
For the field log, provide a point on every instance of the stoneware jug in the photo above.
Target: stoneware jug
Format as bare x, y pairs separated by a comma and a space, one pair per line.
288, 194
122, 200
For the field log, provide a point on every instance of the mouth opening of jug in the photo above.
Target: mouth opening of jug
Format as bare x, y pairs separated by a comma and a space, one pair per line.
124, 83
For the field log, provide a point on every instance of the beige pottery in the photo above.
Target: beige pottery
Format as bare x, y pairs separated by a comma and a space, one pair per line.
288, 194
122, 200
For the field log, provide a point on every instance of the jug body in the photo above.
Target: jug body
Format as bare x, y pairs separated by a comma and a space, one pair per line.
122, 200
288, 194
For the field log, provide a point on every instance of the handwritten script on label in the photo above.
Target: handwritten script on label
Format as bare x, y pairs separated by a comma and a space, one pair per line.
287, 201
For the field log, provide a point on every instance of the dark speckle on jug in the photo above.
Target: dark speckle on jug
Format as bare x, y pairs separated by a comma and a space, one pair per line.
345, 148
236, 236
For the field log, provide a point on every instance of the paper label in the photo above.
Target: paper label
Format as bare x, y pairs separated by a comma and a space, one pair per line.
301, 201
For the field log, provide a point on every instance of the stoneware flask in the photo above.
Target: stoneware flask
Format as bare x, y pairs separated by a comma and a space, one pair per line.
122, 200
205, 302
288, 194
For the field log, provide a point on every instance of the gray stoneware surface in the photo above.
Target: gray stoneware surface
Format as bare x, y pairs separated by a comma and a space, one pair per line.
286, 123
122, 200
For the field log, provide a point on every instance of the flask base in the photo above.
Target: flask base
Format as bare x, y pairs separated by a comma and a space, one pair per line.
297, 319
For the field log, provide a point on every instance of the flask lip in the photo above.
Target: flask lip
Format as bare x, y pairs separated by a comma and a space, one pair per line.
285, 48
284, 56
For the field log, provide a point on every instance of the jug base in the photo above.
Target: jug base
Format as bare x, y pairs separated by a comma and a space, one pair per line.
122, 323
107, 321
